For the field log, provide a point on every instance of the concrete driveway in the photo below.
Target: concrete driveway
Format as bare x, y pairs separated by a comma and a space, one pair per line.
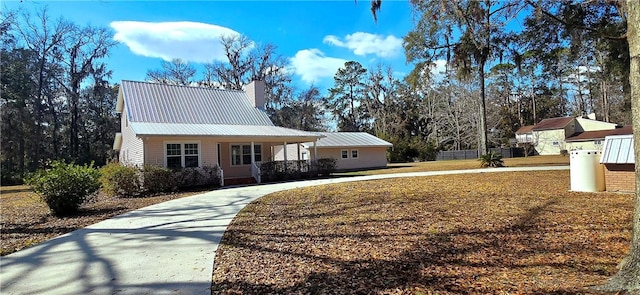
167, 248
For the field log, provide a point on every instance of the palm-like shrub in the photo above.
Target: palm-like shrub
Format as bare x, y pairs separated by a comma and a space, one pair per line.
64, 187
491, 159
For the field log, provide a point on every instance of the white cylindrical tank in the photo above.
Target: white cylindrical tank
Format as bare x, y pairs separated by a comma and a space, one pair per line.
587, 174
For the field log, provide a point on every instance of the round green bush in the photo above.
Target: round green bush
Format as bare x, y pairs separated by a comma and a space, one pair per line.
64, 187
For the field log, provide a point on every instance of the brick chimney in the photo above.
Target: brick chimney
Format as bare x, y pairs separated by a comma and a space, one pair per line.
255, 91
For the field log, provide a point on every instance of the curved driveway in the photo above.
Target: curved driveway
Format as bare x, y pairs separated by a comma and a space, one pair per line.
167, 248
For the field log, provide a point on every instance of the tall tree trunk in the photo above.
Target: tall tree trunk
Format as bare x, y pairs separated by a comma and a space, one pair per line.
628, 277
483, 114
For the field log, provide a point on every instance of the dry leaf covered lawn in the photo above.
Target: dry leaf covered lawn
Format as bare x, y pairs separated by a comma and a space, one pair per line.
26, 220
493, 233
553, 160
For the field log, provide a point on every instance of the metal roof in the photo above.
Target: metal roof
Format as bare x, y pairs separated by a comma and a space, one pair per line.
222, 130
348, 139
161, 103
618, 149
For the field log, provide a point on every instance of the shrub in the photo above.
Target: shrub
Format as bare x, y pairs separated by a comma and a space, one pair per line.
119, 180
324, 166
273, 171
64, 187
564, 153
197, 177
157, 179
425, 150
491, 159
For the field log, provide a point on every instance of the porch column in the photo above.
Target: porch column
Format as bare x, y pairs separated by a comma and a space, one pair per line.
315, 150
253, 154
285, 152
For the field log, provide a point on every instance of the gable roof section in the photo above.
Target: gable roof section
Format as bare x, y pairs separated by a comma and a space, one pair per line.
525, 129
552, 123
159, 103
600, 134
618, 149
348, 139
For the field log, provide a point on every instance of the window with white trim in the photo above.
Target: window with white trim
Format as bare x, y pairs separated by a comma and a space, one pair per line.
345, 154
180, 155
354, 154
241, 154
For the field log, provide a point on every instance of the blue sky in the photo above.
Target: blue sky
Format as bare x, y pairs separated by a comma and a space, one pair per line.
316, 37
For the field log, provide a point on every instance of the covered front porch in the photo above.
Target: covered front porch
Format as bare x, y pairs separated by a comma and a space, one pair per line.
241, 161
235, 149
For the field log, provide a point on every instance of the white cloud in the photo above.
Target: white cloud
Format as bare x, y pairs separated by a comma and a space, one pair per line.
364, 43
312, 65
191, 41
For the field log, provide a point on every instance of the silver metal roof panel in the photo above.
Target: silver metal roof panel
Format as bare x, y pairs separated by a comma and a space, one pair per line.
219, 130
160, 103
618, 149
348, 139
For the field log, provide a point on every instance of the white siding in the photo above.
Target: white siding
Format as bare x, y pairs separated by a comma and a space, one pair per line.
132, 149
545, 141
592, 125
585, 145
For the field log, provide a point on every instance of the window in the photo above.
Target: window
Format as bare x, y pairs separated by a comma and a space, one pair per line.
182, 155
354, 154
241, 154
556, 143
174, 155
345, 154
190, 155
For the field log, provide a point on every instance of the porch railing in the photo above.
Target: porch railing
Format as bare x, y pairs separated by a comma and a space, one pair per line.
255, 171
295, 169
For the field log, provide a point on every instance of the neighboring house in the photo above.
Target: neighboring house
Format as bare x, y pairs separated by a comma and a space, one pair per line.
183, 126
549, 137
619, 163
593, 140
352, 150
524, 135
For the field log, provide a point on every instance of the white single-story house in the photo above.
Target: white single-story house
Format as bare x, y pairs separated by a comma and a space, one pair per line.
549, 136
352, 150
619, 163
184, 126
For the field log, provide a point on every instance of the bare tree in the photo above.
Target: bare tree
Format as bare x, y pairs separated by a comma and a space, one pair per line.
83, 50
44, 38
248, 62
174, 72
